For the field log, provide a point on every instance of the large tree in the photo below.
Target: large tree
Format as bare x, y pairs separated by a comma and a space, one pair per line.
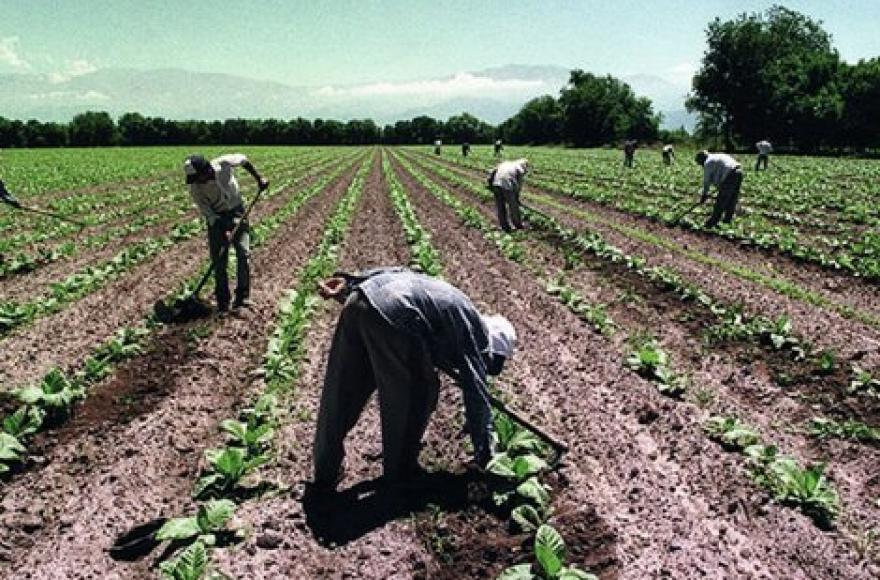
538, 122
602, 109
771, 74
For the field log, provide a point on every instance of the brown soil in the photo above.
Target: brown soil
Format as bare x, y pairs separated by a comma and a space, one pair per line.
675, 502
110, 476
68, 336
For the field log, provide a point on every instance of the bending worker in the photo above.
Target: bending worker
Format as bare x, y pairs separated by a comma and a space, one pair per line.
395, 328
506, 182
722, 171
668, 154
215, 191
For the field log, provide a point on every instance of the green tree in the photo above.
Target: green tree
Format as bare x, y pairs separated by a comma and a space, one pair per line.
92, 129
600, 110
861, 113
539, 121
771, 74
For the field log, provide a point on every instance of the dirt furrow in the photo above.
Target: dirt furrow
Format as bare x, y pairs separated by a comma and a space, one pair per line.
668, 500
121, 474
356, 536
62, 339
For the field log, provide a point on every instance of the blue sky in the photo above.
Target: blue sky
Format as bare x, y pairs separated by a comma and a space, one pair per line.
334, 42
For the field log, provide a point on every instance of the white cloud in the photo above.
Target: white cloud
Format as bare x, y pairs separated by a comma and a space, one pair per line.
88, 96
73, 68
459, 85
682, 72
9, 53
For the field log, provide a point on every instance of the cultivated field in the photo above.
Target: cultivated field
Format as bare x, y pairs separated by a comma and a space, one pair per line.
717, 389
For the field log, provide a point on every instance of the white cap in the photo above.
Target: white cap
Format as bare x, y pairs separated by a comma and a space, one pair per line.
502, 335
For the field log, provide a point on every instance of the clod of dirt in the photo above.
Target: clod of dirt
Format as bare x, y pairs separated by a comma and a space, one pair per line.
647, 415
269, 540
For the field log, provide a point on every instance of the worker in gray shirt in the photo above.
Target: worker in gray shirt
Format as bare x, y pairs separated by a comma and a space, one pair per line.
506, 182
725, 173
215, 191
764, 149
395, 328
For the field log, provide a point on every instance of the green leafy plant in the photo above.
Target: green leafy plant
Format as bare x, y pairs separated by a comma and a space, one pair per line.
55, 394
550, 553
190, 564
11, 451
26, 420
730, 432
806, 488
652, 362
253, 436
864, 381
825, 428
210, 519
228, 466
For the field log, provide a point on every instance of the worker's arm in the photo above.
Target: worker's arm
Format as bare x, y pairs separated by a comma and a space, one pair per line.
241, 160
707, 183
471, 377
262, 182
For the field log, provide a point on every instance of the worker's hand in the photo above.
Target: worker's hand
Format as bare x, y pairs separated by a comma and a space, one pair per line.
263, 184
332, 288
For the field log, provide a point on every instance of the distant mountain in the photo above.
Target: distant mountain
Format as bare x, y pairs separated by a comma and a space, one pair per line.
492, 94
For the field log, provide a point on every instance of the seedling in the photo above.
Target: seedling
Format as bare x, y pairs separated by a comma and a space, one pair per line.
228, 466
210, 520
27, 420
732, 434
652, 363
550, 555
824, 428
864, 381
55, 394
191, 564
11, 451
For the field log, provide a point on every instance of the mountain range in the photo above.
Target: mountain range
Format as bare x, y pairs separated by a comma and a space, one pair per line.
492, 94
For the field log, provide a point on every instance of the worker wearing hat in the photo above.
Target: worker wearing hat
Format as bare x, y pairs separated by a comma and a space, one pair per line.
215, 191
395, 328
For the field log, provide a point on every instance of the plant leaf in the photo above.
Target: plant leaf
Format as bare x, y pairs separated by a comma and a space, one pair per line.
527, 518
178, 529
550, 550
213, 515
518, 572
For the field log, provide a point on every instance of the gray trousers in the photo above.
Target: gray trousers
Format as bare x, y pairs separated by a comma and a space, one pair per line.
369, 354
728, 197
762, 159
241, 244
507, 200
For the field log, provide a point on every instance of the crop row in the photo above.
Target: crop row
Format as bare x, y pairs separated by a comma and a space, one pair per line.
224, 482
647, 358
58, 391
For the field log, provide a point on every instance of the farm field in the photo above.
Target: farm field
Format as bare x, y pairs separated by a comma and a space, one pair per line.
719, 391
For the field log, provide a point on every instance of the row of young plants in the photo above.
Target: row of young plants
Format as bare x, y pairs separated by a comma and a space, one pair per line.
857, 252
229, 474
96, 209
787, 480
171, 205
777, 335
806, 488
772, 282
48, 403
91, 278
519, 458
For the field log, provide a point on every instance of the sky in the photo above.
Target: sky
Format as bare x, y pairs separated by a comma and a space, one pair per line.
331, 42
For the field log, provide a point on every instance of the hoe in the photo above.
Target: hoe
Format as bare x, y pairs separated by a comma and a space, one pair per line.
192, 307
559, 446
7, 198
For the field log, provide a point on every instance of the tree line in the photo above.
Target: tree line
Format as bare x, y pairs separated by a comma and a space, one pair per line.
772, 75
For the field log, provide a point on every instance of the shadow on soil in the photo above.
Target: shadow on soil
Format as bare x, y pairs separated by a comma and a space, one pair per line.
342, 517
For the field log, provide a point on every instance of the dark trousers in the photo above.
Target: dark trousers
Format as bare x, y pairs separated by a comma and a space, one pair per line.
369, 354
667, 158
507, 201
728, 197
762, 159
218, 246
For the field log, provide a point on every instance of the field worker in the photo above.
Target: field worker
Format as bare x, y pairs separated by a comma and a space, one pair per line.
629, 152
465, 149
499, 147
722, 171
506, 182
214, 189
437, 144
7, 197
396, 327
764, 149
668, 154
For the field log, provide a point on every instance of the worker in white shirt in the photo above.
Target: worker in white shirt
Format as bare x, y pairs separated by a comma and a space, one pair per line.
668, 154
764, 149
725, 173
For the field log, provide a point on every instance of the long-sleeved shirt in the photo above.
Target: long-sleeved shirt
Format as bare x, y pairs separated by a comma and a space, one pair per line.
764, 147
450, 326
716, 169
510, 175
222, 194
